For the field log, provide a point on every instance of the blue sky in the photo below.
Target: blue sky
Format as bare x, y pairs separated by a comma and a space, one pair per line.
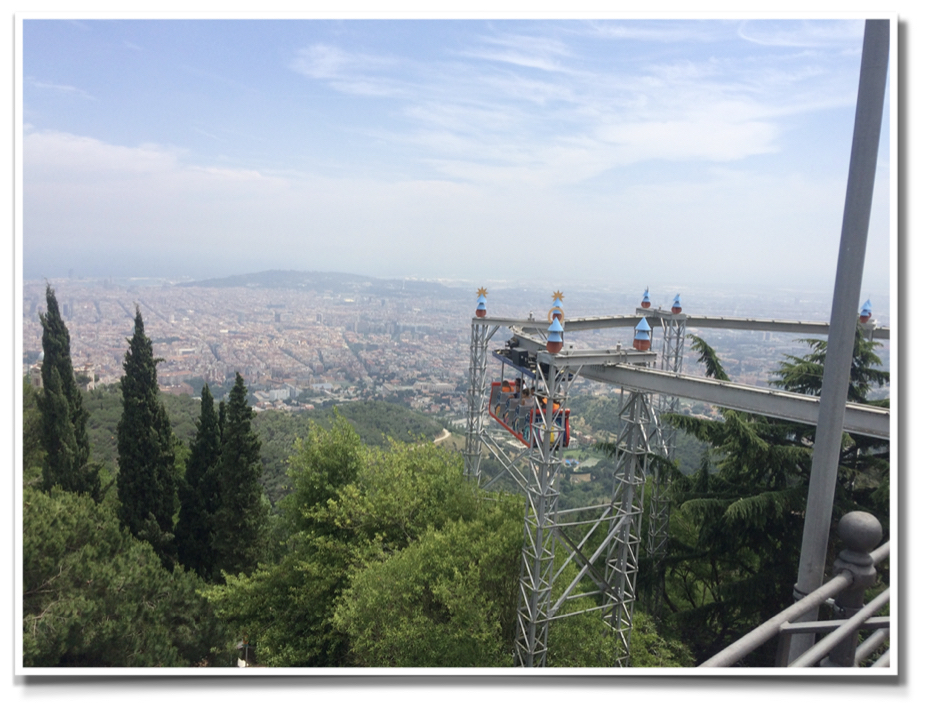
653, 152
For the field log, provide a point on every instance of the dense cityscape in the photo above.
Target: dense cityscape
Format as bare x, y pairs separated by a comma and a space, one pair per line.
299, 341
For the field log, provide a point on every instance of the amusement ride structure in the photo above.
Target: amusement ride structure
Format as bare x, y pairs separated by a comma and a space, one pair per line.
531, 424
523, 421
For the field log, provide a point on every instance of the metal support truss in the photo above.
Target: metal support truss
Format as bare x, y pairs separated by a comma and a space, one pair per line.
541, 492
480, 336
602, 541
674, 329
611, 564
639, 435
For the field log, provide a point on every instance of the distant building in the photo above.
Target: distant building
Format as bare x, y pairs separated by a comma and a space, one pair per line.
87, 371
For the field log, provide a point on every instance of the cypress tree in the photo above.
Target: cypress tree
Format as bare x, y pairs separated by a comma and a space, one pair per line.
64, 420
240, 525
145, 446
198, 492
222, 419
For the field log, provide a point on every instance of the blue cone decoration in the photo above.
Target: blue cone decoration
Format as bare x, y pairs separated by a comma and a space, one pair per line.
555, 338
642, 341
481, 304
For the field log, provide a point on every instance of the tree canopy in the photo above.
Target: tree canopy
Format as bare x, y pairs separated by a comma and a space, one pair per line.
352, 507
736, 532
94, 596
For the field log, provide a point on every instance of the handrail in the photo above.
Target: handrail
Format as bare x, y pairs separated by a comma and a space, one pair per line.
869, 646
770, 628
814, 654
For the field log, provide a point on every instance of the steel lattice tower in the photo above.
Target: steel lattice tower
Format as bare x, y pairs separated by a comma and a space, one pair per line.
674, 337
610, 563
480, 336
603, 540
639, 435
540, 528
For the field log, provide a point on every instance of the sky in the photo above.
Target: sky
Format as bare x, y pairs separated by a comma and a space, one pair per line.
690, 152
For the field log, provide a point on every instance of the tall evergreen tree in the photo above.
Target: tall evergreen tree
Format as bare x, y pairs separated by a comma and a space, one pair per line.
145, 443
64, 420
241, 520
738, 533
222, 419
864, 462
199, 492
803, 375
33, 450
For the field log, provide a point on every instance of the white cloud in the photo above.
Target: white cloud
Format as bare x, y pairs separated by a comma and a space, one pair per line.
89, 201
565, 161
541, 98
349, 72
809, 33
58, 88
675, 140
59, 156
536, 52
663, 31
320, 61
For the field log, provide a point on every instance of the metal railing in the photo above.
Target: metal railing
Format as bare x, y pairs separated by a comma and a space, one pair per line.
855, 572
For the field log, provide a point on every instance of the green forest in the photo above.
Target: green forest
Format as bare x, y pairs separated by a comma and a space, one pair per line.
166, 531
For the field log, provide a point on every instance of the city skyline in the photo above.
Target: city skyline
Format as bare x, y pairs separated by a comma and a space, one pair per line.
561, 150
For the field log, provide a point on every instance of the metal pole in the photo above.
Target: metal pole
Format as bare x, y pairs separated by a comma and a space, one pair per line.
861, 174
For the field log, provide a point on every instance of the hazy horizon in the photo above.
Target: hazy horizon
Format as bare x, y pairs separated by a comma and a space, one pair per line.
583, 298
675, 153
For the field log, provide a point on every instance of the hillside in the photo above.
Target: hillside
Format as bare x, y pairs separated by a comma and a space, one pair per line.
375, 422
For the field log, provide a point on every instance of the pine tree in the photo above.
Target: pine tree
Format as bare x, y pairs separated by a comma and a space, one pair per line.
240, 525
863, 478
145, 444
64, 420
803, 375
199, 492
738, 534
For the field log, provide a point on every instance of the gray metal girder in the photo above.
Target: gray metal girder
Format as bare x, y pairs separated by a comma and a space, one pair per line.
858, 418
707, 321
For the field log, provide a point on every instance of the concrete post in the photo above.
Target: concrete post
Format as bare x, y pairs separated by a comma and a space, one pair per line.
861, 533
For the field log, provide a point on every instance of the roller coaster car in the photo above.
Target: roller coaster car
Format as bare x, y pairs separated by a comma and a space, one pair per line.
508, 409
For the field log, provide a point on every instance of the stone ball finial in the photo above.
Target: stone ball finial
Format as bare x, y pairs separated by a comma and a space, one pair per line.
860, 531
